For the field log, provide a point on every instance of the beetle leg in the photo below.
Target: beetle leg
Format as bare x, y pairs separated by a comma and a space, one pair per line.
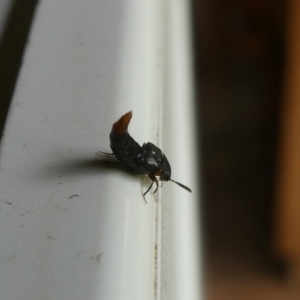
157, 185
105, 153
154, 179
144, 194
144, 198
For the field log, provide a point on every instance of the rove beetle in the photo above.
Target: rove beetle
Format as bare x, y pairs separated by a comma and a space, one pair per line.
146, 160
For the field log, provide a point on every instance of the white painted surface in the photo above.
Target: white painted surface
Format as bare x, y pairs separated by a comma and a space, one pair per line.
180, 210
87, 63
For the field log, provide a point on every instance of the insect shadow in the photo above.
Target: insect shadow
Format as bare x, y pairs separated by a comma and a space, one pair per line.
98, 166
108, 160
85, 167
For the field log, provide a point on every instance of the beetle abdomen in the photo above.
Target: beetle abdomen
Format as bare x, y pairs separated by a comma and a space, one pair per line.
126, 149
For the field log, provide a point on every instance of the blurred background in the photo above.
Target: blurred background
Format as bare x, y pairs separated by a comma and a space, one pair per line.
247, 70
248, 90
15, 20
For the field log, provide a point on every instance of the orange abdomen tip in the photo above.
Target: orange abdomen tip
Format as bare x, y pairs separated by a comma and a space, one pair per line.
121, 125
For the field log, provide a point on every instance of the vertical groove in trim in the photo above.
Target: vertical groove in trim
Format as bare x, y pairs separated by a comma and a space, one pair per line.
160, 98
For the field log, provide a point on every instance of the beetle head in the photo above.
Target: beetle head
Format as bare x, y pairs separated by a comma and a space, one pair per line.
165, 169
165, 174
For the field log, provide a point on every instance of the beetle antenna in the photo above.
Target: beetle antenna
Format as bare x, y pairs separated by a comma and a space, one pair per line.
182, 185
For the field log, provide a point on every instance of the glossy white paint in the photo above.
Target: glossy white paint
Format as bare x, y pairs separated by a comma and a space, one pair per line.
180, 229
75, 229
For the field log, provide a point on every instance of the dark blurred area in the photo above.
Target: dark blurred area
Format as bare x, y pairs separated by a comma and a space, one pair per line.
240, 54
13, 41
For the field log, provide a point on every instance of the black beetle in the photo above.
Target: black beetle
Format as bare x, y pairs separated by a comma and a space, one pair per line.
146, 160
